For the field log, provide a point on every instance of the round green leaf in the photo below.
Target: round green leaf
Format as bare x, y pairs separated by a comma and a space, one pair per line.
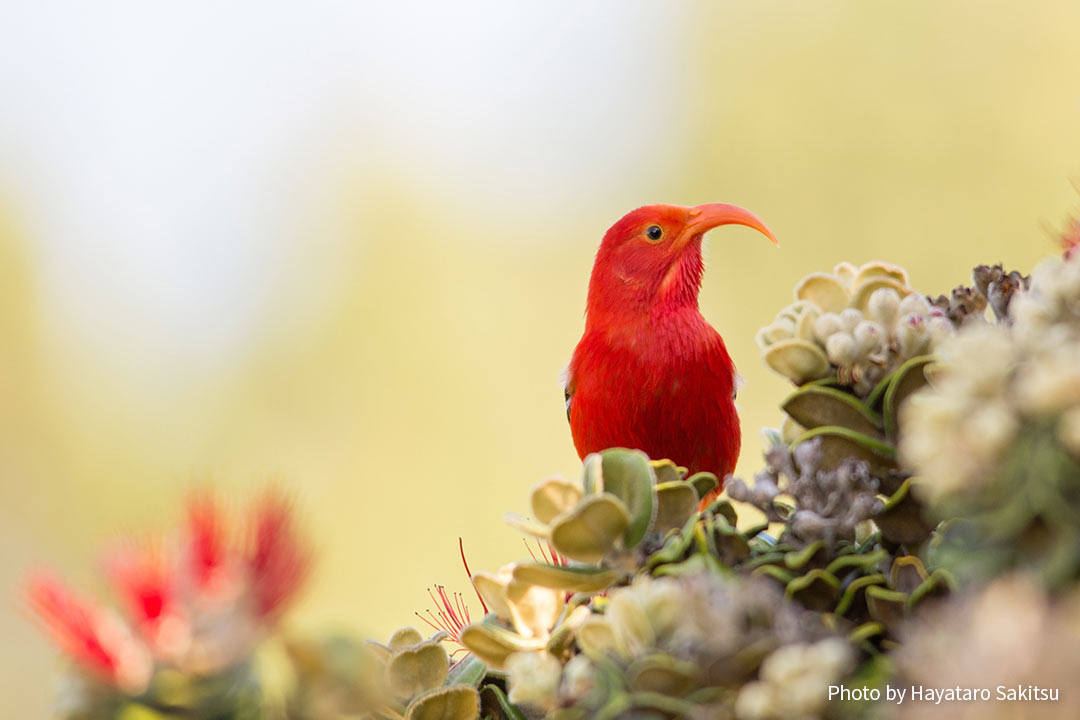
571, 579
629, 476
412, 670
592, 529
553, 497
839, 443
816, 405
798, 360
908, 378
676, 502
493, 644
456, 702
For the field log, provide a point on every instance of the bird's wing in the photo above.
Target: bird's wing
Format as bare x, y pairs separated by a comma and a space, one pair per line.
568, 389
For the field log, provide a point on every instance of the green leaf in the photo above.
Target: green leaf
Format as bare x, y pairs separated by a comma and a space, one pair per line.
493, 644
851, 592
908, 378
661, 673
570, 578
798, 360
723, 506
666, 471
417, 668
907, 573
527, 526
901, 520
552, 497
675, 503
458, 702
676, 545
508, 708
628, 475
816, 406
403, 637
469, 670
886, 606
592, 473
693, 565
941, 582
816, 590
840, 443
774, 572
591, 530
671, 706
866, 631
863, 561
795, 560
774, 558
825, 291
704, 483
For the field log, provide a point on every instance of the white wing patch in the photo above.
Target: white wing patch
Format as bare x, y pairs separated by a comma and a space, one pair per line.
568, 394
737, 382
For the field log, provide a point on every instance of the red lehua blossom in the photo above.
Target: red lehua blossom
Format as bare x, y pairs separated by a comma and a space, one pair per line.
207, 542
142, 578
198, 606
98, 643
277, 559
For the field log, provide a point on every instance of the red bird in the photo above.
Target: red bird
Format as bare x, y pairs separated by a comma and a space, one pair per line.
650, 372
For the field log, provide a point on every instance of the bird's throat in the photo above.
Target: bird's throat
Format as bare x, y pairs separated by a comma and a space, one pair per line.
681, 283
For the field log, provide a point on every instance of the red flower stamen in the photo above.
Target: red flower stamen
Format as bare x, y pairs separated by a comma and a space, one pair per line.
468, 574
451, 614
551, 557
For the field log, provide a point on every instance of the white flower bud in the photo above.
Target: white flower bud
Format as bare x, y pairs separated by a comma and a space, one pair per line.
840, 347
850, 318
1050, 382
940, 329
913, 334
988, 427
579, 677
884, 306
914, 303
534, 679
826, 324
756, 702
869, 338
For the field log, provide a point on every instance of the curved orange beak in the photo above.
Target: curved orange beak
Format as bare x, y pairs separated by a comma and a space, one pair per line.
703, 218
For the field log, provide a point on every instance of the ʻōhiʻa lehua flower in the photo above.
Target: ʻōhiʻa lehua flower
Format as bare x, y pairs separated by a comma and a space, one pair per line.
193, 609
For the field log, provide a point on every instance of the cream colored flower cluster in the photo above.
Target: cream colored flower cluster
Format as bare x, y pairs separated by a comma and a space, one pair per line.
687, 638
857, 324
1010, 631
995, 380
794, 680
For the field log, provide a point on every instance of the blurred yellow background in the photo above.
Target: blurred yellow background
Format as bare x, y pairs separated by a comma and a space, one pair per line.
348, 248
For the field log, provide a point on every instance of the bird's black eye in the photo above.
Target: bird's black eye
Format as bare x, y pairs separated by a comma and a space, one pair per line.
654, 233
